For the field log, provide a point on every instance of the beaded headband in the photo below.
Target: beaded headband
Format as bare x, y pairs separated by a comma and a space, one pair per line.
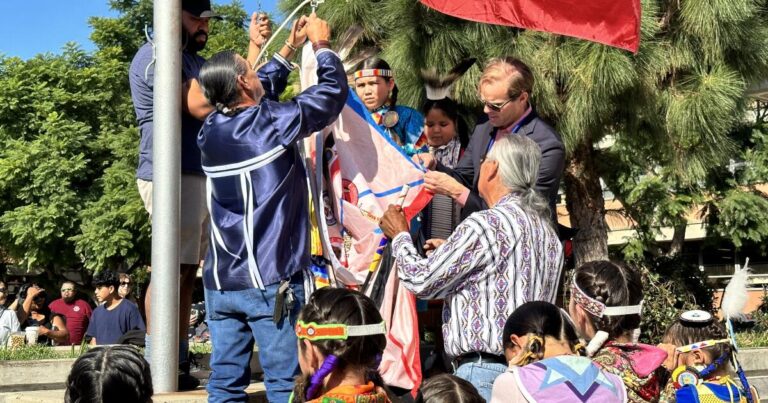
701, 344
598, 308
698, 317
336, 331
373, 73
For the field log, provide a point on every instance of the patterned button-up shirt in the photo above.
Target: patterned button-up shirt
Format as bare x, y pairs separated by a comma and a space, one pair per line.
495, 261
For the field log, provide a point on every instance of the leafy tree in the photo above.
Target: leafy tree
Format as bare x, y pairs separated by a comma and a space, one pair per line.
68, 196
671, 105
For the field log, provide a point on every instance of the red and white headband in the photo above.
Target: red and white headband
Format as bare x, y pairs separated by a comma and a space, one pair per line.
373, 73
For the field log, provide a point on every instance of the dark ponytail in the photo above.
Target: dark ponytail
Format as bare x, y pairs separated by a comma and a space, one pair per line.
539, 320
218, 79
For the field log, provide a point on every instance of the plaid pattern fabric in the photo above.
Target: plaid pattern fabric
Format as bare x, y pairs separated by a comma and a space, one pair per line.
494, 261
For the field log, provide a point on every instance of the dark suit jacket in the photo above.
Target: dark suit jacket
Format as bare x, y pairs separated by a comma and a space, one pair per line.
550, 169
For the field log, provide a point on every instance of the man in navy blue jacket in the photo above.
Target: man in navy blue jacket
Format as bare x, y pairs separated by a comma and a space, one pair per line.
257, 198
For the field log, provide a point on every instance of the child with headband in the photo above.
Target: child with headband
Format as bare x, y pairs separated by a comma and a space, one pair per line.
547, 362
700, 353
606, 302
341, 338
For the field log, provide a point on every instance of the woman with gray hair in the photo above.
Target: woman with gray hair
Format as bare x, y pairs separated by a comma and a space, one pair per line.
495, 261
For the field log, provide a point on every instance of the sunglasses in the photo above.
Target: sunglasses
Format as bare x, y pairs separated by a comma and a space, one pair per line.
125, 283
497, 107
3, 289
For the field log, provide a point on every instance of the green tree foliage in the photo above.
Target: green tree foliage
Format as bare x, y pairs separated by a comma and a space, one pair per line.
738, 209
68, 195
670, 107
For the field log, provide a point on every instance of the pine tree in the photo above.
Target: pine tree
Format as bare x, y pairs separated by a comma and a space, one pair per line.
671, 105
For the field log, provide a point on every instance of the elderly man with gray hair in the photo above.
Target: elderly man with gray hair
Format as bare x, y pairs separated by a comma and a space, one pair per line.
496, 260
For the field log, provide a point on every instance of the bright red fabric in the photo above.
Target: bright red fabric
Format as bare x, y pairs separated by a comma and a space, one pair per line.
611, 22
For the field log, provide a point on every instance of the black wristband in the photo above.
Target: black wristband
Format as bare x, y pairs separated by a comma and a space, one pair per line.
321, 45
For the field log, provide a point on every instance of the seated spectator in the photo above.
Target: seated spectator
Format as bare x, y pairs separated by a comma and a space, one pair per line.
114, 374
445, 388
126, 287
540, 343
495, 261
76, 311
198, 329
113, 318
9, 322
33, 311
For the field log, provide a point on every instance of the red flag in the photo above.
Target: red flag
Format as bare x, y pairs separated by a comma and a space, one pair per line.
611, 22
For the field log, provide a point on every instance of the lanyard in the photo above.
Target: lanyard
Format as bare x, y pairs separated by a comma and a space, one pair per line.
514, 129
495, 133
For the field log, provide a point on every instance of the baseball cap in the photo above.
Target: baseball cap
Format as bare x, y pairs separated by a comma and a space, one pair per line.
199, 8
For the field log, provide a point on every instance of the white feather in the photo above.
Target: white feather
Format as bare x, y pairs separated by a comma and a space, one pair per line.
735, 295
597, 342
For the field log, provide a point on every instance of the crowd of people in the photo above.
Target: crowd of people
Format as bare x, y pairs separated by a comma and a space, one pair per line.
73, 319
487, 246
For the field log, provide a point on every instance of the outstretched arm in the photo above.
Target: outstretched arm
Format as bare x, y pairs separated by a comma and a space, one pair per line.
319, 105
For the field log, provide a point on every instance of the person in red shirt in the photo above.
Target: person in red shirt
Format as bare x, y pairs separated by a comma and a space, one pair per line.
77, 311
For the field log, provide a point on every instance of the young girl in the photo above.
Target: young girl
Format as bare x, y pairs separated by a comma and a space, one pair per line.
606, 301
110, 374
446, 388
699, 352
341, 339
375, 85
547, 363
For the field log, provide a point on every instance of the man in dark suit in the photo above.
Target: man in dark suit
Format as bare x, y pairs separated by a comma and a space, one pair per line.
505, 89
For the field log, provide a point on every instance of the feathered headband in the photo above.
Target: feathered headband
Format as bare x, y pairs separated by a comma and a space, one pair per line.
439, 86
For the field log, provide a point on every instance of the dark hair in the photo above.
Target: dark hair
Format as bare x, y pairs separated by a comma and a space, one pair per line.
110, 374
375, 62
25, 288
451, 109
613, 285
343, 306
218, 79
541, 319
683, 333
106, 277
446, 388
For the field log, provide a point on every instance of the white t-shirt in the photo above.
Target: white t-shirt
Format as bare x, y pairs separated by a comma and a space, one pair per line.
8, 320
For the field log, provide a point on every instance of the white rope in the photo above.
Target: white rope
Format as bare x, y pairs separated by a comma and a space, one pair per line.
274, 34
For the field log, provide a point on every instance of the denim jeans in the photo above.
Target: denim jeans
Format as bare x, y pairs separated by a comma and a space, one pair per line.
235, 318
481, 375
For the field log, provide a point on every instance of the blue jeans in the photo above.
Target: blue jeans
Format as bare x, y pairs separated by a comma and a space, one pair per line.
235, 318
481, 375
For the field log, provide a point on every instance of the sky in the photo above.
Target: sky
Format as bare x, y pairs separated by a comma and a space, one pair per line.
30, 27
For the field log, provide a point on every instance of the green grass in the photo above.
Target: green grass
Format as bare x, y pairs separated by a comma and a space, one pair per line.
752, 339
39, 352
200, 348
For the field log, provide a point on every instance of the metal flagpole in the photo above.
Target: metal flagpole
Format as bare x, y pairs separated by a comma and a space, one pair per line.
166, 174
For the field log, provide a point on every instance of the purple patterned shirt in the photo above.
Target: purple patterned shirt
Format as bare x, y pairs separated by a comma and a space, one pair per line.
495, 260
